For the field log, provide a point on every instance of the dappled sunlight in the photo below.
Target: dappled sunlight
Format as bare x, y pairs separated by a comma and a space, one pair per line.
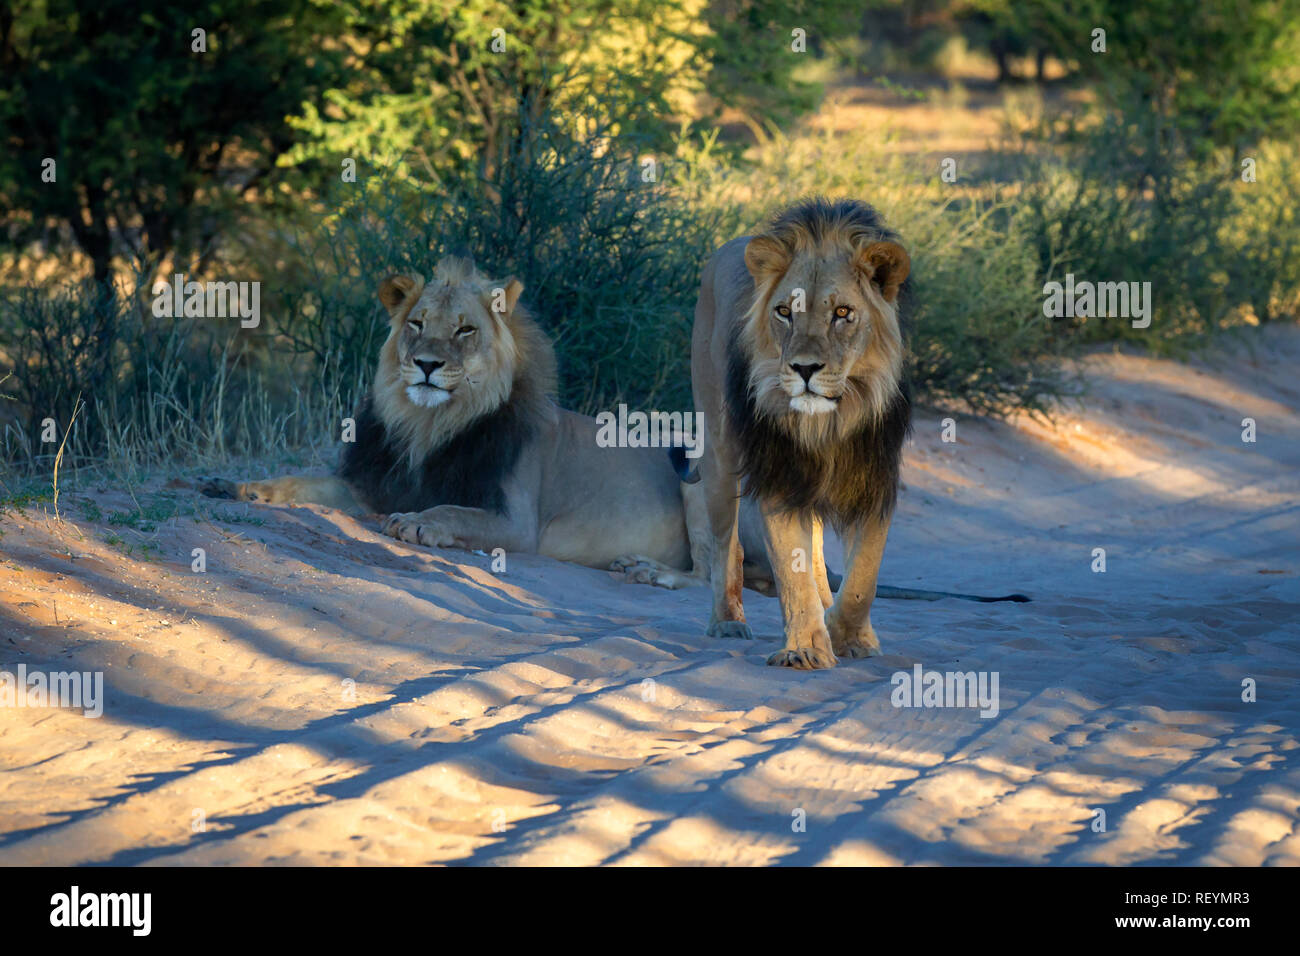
1165, 451
1087, 603
321, 693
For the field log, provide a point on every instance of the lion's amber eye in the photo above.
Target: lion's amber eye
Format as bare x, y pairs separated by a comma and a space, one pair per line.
783, 311
465, 330
843, 312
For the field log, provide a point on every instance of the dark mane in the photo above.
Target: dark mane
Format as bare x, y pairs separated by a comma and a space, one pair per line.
844, 483
815, 220
469, 470
847, 479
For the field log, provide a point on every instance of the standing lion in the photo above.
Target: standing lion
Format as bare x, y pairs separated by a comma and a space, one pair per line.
797, 365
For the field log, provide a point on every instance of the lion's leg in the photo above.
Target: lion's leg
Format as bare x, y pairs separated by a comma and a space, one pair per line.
818, 565
452, 526
849, 618
755, 571
291, 490
807, 642
699, 531
726, 560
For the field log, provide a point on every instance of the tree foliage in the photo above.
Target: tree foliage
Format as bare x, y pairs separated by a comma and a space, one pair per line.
151, 140
443, 86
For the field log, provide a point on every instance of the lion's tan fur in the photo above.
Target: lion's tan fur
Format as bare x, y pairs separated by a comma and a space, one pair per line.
797, 363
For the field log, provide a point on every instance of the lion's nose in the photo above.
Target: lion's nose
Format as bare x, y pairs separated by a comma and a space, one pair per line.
429, 366
806, 372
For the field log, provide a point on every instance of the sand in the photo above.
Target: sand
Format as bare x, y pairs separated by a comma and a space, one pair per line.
322, 694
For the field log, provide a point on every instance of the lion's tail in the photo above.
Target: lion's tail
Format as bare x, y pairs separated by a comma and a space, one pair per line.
916, 594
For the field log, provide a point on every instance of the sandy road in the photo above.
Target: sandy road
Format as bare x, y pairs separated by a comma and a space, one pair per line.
322, 694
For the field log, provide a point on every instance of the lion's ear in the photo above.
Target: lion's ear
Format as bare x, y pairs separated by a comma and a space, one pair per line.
887, 264
765, 257
397, 290
503, 296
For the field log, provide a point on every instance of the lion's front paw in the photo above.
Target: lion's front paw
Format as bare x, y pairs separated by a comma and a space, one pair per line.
730, 629
859, 648
802, 658
859, 642
417, 529
810, 652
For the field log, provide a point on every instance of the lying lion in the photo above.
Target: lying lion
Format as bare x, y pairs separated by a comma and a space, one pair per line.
460, 445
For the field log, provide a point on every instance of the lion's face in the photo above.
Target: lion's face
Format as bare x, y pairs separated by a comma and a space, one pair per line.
451, 354
822, 337
447, 341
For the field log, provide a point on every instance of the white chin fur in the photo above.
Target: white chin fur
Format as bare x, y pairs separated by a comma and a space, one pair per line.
427, 397
810, 404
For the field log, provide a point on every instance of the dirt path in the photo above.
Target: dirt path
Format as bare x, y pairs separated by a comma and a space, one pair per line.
322, 694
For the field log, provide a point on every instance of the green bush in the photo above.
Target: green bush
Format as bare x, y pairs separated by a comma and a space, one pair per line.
978, 336
609, 239
608, 255
1147, 185
1108, 205
1262, 239
609, 249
